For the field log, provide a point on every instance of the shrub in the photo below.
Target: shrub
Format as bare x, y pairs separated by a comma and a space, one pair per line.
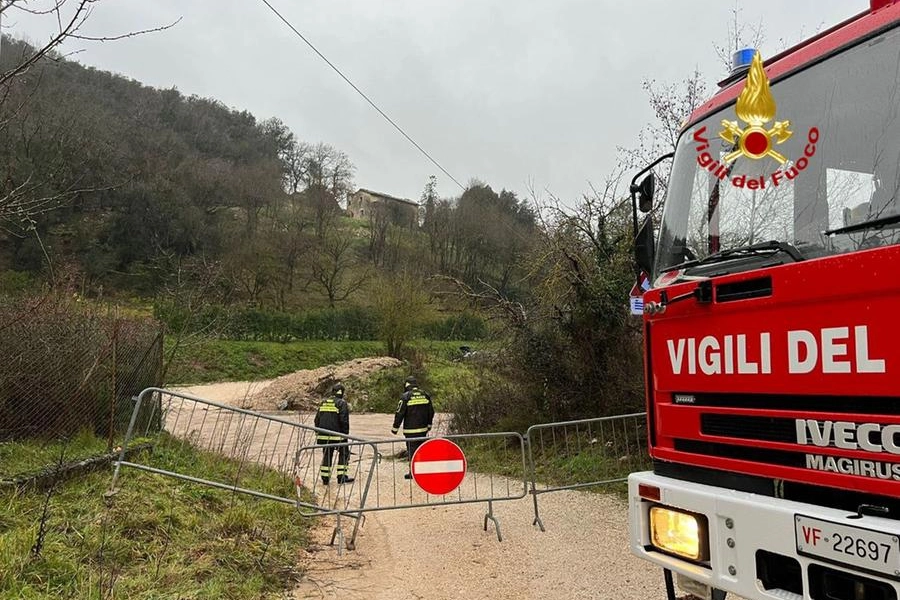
255, 325
464, 326
66, 367
350, 323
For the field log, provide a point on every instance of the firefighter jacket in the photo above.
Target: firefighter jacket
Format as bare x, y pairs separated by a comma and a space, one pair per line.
415, 412
333, 414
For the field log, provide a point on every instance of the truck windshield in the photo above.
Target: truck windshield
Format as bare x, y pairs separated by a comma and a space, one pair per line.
838, 168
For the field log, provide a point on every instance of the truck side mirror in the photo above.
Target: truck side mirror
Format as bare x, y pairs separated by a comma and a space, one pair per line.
644, 247
645, 193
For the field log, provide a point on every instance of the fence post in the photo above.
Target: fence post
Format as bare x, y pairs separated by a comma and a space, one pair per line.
160, 369
533, 479
160, 337
112, 396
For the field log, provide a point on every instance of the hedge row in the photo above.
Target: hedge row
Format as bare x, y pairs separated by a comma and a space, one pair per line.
352, 323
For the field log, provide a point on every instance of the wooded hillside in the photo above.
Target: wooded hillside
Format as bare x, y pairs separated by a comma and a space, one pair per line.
227, 222
152, 190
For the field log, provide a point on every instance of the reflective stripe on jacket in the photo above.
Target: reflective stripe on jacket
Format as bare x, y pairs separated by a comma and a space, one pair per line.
415, 412
334, 415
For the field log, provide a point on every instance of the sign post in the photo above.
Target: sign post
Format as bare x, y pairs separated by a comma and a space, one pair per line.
438, 466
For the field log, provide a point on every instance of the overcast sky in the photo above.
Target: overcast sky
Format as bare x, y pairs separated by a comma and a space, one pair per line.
517, 93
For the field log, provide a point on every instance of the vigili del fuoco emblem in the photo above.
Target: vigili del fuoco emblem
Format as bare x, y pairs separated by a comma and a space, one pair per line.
755, 107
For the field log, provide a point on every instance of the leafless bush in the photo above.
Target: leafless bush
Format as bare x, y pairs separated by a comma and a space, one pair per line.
67, 367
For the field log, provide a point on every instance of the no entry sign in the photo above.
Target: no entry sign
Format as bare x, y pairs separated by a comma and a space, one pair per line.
438, 466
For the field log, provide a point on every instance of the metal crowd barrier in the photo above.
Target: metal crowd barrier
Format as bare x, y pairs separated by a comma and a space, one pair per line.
287, 454
387, 488
284, 453
255, 442
572, 455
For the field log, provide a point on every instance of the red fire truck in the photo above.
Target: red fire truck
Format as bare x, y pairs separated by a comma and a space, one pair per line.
772, 354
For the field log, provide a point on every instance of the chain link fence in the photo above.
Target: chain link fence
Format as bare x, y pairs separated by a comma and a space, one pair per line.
69, 374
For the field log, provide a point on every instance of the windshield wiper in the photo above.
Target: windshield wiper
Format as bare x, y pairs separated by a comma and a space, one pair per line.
870, 224
760, 249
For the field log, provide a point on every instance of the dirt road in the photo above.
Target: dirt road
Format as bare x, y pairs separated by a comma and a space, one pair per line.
442, 552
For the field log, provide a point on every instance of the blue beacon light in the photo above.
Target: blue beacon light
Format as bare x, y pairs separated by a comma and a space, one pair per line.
741, 59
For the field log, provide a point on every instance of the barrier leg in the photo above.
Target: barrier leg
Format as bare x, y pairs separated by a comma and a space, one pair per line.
537, 517
490, 515
338, 533
360, 520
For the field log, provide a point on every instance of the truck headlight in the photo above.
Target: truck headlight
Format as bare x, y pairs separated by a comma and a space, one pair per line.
681, 533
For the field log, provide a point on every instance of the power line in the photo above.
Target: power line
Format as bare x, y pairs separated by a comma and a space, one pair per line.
361, 93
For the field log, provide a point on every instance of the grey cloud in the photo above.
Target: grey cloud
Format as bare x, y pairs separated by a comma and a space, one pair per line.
509, 92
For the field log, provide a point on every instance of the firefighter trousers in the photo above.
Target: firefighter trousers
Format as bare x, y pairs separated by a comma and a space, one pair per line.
411, 447
342, 468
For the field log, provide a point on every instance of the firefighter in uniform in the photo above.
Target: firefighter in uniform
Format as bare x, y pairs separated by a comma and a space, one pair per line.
416, 413
334, 415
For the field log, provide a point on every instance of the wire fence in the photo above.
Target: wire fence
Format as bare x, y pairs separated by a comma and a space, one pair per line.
69, 374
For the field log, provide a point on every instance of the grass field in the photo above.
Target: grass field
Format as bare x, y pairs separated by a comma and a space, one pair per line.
208, 360
19, 458
441, 378
157, 538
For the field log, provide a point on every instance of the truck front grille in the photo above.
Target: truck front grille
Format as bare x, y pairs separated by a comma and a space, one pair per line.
770, 429
751, 453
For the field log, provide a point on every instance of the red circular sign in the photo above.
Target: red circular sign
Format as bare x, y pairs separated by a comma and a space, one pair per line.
756, 143
438, 466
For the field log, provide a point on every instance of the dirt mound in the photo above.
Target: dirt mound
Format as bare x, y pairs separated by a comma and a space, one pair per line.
303, 390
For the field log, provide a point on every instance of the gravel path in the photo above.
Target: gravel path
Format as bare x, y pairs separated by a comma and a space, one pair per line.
442, 552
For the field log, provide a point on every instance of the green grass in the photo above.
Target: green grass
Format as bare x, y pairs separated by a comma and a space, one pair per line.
19, 458
210, 360
157, 538
446, 378
440, 375
206, 360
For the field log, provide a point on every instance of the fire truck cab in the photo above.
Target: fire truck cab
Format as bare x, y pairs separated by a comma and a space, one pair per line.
772, 349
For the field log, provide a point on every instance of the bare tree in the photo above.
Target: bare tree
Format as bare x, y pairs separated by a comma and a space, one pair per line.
328, 168
402, 304
379, 222
295, 165
291, 240
191, 286
439, 227
740, 35
672, 104
333, 268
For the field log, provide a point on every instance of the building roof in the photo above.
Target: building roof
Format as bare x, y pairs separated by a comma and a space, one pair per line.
387, 197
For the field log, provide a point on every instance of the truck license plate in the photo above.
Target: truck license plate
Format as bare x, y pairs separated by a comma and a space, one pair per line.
848, 545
